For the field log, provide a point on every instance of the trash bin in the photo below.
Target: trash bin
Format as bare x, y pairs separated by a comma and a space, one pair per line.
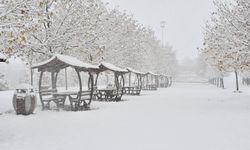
2, 58
24, 99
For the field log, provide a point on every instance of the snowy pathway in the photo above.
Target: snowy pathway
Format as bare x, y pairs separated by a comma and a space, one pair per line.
184, 117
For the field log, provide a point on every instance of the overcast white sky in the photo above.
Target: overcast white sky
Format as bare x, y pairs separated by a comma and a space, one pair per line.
184, 18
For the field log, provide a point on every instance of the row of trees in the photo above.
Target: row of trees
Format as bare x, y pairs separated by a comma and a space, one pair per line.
87, 29
227, 39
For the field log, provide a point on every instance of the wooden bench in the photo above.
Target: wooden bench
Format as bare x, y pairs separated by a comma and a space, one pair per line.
131, 90
153, 87
81, 101
106, 94
150, 87
46, 97
135, 91
118, 95
127, 90
101, 95
110, 94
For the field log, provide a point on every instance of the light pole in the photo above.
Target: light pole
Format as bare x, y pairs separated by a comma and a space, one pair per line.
163, 26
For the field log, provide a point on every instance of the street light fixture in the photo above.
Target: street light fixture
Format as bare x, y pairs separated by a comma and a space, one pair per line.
163, 26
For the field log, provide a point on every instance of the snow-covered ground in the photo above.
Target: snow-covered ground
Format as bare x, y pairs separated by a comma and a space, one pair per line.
184, 117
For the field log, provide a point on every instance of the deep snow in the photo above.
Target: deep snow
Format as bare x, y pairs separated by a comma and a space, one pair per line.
183, 117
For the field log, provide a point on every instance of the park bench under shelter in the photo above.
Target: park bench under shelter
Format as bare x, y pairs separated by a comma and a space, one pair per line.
112, 92
149, 81
163, 81
79, 100
135, 87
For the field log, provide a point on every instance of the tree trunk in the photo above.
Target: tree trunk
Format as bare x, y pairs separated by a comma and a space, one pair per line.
222, 83
237, 81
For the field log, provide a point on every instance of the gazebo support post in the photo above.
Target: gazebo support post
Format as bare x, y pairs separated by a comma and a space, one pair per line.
40, 88
143, 81
89, 82
56, 76
116, 81
118, 85
123, 82
31, 76
156, 80
147, 82
53, 80
92, 87
96, 79
80, 88
138, 80
66, 79
129, 79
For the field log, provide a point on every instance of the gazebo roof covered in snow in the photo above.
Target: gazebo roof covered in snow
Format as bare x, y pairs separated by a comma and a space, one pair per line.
134, 71
151, 73
163, 75
107, 66
3, 58
58, 62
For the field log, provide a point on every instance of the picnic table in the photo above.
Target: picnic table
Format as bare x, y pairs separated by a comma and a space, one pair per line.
109, 94
53, 66
74, 98
150, 87
131, 90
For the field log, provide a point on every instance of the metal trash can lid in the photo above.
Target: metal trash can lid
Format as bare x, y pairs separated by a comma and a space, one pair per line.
3, 58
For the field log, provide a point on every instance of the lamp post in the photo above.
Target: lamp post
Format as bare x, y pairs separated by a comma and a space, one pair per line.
163, 26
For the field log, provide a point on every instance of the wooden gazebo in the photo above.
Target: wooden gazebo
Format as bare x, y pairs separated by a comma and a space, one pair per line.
79, 100
136, 87
114, 92
163, 81
150, 81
